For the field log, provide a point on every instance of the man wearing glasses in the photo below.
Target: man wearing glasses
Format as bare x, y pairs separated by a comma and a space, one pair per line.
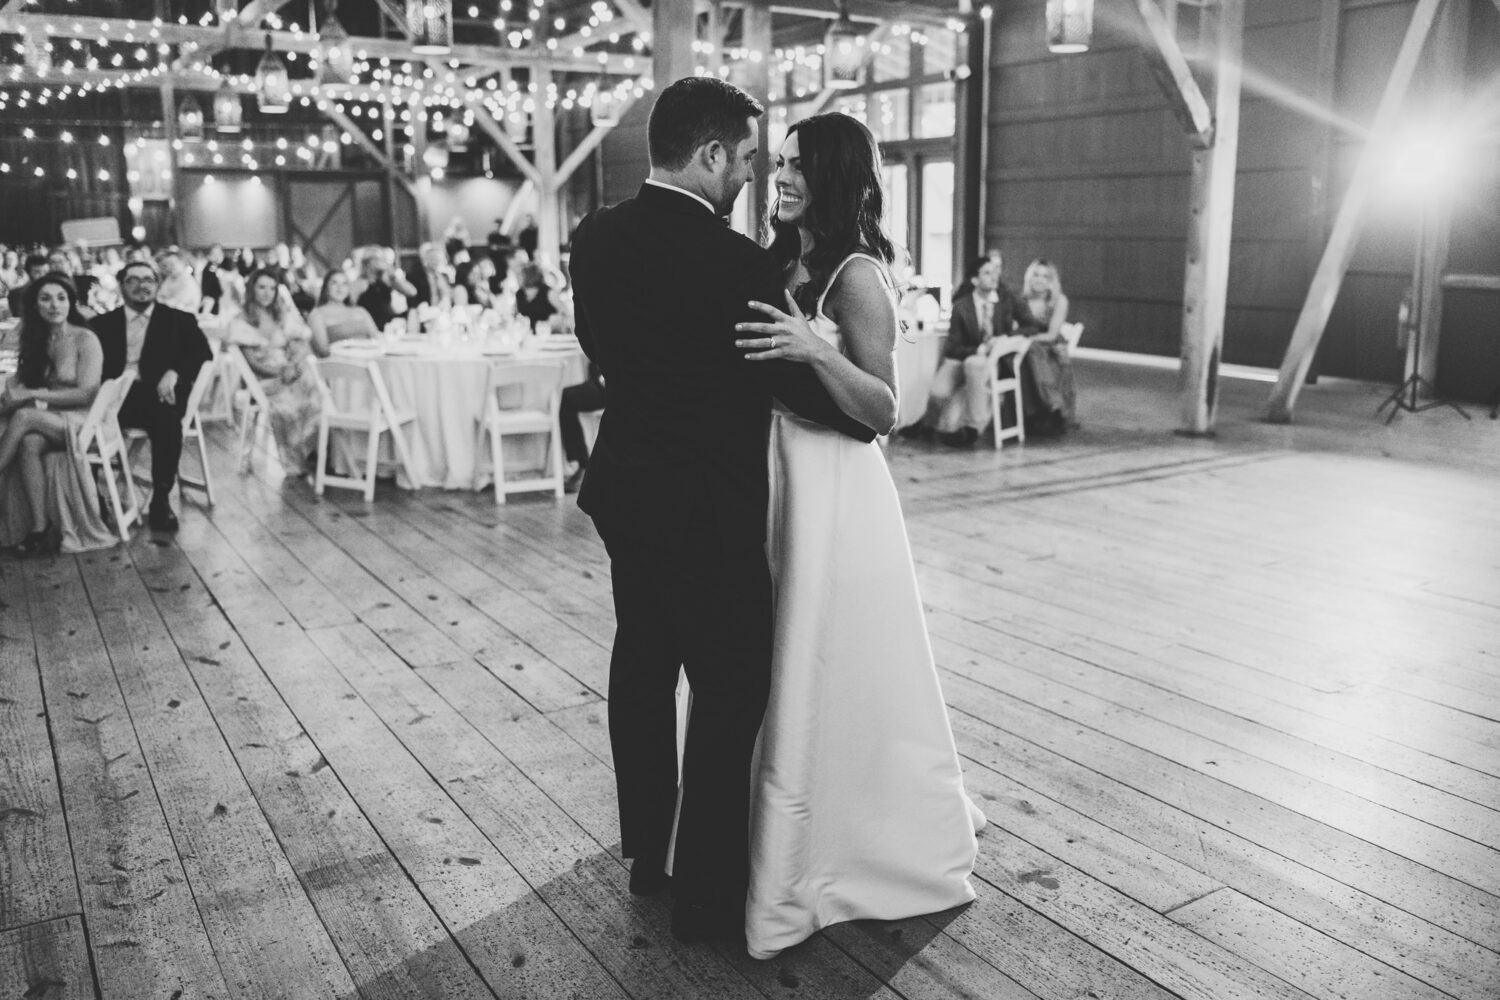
165, 348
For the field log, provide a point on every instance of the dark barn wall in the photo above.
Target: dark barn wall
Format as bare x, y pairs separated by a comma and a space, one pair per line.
1089, 167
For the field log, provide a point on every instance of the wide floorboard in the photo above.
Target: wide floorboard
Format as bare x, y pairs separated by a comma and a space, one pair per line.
1232, 706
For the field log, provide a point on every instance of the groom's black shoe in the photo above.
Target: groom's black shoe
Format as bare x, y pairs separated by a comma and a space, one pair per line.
694, 922
647, 877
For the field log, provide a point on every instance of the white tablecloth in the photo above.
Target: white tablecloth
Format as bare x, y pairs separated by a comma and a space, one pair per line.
444, 386
917, 356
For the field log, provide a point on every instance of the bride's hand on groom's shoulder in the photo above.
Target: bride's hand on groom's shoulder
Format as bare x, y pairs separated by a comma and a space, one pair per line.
787, 336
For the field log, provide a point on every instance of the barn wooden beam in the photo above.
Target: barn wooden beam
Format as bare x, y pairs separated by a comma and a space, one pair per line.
870, 11
590, 142
257, 11
1170, 67
544, 148
755, 35
1206, 283
380, 156
486, 121
233, 36
1324, 291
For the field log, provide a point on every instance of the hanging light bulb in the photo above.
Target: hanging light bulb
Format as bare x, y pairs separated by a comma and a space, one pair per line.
229, 113
337, 50
1070, 25
273, 86
843, 53
35, 55
430, 24
458, 136
190, 119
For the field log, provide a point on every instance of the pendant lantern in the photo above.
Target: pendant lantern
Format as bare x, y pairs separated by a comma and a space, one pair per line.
1070, 25
430, 24
229, 113
843, 53
190, 119
273, 85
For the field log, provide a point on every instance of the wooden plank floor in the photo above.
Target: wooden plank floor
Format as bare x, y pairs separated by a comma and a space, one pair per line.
1232, 706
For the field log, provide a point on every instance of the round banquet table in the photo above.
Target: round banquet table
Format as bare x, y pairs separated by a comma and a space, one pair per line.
444, 386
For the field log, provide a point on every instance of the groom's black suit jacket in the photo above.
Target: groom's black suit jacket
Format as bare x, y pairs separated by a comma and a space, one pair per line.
680, 461
173, 341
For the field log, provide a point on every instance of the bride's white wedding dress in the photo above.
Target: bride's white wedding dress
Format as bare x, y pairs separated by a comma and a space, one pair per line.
858, 808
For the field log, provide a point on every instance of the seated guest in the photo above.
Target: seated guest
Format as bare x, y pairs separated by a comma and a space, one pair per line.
335, 318
11, 275
478, 287
43, 405
586, 397
179, 287
275, 343
303, 279
989, 311
36, 266
210, 287
1051, 400
165, 348
379, 283
535, 299
62, 262
429, 277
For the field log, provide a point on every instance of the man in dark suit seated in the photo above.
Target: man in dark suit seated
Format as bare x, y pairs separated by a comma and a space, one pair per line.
678, 487
166, 348
989, 311
429, 276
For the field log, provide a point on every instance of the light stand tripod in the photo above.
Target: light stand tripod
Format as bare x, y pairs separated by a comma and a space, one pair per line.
1416, 393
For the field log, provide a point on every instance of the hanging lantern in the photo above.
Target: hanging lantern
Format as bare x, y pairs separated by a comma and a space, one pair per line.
229, 113
843, 53
337, 56
1070, 25
36, 54
190, 119
517, 126
604, 112
430, 24
458, 136
273, 85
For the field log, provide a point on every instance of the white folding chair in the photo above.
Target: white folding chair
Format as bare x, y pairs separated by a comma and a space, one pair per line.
498, 421
1071, 334
100, 441
249, 398
1013, 347
192, 433
355, 398
221, 377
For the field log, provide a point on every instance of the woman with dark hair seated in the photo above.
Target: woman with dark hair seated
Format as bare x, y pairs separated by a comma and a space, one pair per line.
336, 317
43, 405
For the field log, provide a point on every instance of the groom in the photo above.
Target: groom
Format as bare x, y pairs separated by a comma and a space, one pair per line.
677, 487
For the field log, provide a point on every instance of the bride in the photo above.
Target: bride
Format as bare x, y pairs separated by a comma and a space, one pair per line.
858, 809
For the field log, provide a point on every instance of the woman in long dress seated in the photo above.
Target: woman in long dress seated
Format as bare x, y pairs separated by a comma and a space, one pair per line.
336, 317
42, 407
1048, 361
275, 342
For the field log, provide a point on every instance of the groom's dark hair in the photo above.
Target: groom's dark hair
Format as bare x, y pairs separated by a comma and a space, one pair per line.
694, 111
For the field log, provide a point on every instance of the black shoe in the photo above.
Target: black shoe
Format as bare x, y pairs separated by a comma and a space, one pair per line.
918, 431
40, 543
161, 517
647, 877
692, 922
961, 438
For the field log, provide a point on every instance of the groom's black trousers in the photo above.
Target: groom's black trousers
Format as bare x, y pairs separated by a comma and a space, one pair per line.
711, 614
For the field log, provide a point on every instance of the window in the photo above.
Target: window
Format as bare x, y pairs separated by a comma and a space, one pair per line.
888, 116
894, 177
937, 111
892, 60
936, 262
941, 53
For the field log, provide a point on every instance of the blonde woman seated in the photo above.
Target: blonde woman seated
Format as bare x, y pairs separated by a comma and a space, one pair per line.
42, 407
1048, 362
275, 342
336, 317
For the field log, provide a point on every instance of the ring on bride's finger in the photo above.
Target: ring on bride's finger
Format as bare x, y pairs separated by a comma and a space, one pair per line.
773, 343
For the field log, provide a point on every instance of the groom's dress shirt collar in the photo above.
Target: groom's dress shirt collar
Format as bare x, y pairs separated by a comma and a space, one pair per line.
674, 187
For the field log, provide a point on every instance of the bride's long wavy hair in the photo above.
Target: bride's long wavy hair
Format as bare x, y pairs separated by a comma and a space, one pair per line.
841, 162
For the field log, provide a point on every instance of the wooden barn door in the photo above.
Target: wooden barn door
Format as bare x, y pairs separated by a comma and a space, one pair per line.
331, 214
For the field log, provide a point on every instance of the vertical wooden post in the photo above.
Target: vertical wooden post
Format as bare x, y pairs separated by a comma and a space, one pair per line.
388, 133
757, 39
1450, 45
1320, 159
674, 26
1206, 286
1324, 290
169, 129
419, 169
544, 144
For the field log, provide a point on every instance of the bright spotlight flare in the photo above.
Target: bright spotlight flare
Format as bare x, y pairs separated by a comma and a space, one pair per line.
1426, 159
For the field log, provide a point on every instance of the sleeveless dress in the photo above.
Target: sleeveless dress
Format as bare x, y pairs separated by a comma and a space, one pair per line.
858, 809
